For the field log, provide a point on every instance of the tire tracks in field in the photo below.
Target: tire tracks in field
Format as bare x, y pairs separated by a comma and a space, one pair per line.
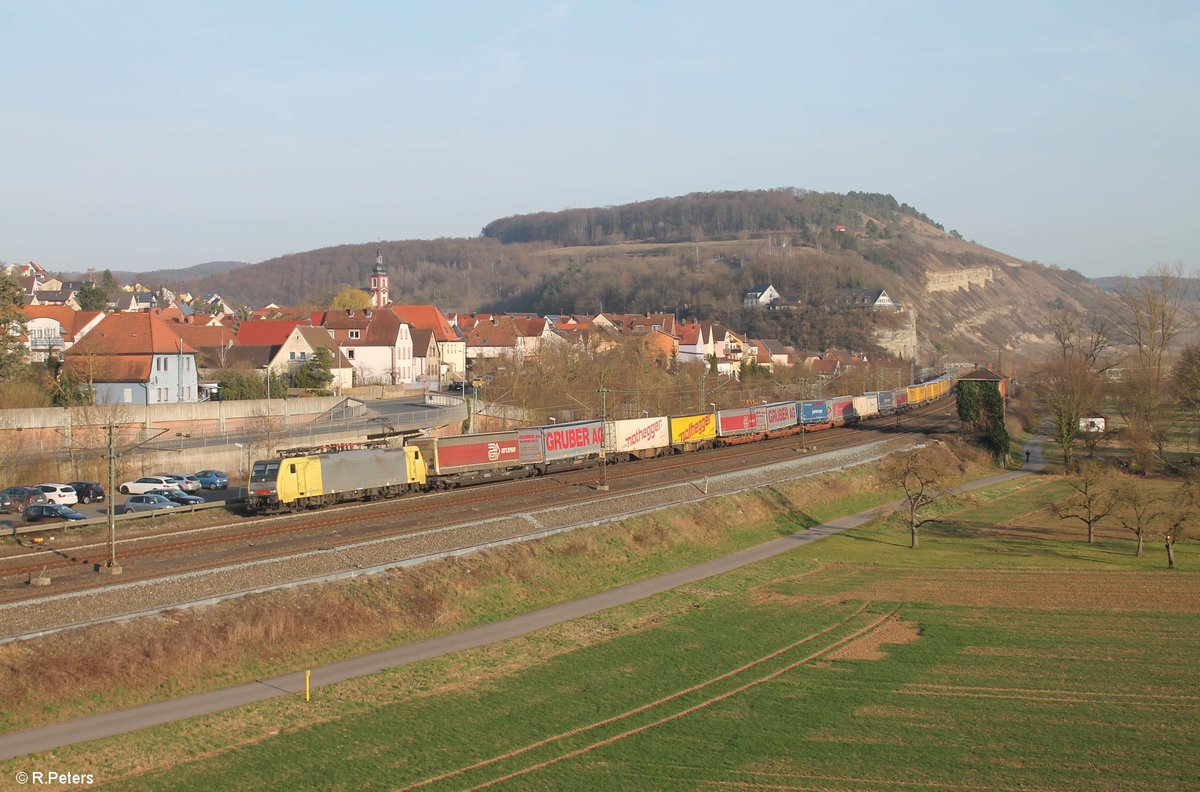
876, 624
635, 711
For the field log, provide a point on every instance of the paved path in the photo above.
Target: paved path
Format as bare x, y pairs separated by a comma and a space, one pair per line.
123, 721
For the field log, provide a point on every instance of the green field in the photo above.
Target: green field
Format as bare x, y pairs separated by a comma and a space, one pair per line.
1004, 654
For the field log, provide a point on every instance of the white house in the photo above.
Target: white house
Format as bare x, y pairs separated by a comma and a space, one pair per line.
762, 295
376, 342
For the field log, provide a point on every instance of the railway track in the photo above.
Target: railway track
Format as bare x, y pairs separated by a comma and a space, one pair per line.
260, 539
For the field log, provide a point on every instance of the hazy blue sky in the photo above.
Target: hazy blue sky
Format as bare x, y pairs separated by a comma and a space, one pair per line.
139, 135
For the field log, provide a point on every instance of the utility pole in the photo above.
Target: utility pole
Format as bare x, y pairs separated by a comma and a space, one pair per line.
603, 424
112, 567
111, 454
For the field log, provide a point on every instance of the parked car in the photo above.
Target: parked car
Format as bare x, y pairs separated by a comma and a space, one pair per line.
177, 496
5, 503
145, 484
88, 491
24, 496
51, 511
183, 481
142, 503
59, 493
213, 479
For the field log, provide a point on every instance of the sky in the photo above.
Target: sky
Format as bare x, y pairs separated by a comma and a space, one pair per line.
147, 135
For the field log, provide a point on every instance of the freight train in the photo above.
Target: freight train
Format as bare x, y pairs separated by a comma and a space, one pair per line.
310, 480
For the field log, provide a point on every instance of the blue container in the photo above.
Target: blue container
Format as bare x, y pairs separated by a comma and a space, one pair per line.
814, 412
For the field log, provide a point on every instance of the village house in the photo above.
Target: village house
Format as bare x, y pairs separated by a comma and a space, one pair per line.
763, 295
451, 344
695, 342
863, 298
492, 337
376, 342
51, 330
134, 358
426, 360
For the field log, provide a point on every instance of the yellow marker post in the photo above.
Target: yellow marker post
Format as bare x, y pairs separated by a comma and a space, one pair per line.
307, 676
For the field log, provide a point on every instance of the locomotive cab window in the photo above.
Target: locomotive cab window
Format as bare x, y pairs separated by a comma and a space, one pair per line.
292, 468
264, 471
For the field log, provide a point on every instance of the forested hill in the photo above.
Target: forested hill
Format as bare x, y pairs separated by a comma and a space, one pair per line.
697, 256
700, 216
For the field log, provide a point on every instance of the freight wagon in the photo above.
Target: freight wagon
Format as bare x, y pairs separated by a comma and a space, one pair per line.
886, 401
639, 438
841, 410
691, 432
865, 407
471, 459
569, 445
814, 412
733, 424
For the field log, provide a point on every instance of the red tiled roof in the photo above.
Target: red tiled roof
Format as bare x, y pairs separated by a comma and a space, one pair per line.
131, 334
486, 334
427, 317
270, 332
82, 320
62, 314
110, 368
530, 327
689, 333
206, 335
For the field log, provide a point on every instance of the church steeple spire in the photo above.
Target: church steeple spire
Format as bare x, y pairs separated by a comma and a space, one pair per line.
379, 283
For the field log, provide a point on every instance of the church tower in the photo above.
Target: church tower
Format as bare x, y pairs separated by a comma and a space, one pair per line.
379, 283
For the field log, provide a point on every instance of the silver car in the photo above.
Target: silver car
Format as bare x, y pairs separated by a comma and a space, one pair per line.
183, 481
143, 503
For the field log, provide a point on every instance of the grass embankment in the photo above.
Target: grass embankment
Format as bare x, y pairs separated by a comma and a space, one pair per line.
1002, 654
120, 665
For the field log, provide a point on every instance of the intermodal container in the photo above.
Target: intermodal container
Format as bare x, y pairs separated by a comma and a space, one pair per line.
841, 409
901, 396
577, 439
693, 428
866, 406
887, 401
639, 434
748, 420
781, 415
814, 411
480, 451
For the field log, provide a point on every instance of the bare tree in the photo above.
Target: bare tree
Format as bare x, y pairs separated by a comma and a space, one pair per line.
1091, 499
1182, 517
264, 430
1140, 509
925, 477
1066, 389
1152, 316
1185, 383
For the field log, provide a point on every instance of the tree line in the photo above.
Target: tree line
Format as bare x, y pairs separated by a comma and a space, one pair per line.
701, 215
